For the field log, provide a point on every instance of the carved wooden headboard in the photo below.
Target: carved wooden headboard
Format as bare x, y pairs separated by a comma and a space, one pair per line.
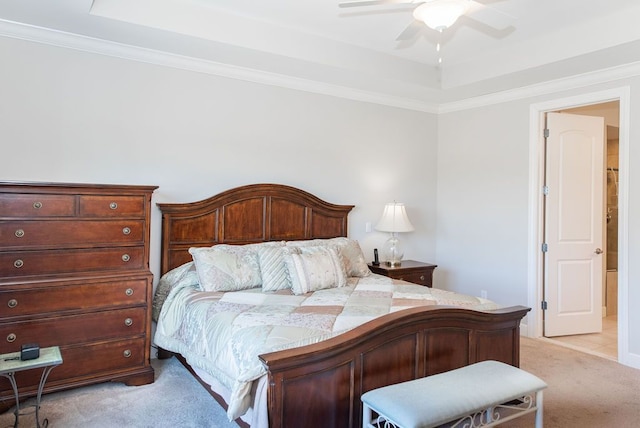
244, 215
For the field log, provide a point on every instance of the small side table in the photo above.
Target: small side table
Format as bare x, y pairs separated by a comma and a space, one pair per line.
10, 364
409, 270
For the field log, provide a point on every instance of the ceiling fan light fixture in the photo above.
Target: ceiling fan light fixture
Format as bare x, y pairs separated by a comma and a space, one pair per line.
440, 14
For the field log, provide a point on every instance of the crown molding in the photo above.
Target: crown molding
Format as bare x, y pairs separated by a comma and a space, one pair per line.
83, 43
135, 53
550, 87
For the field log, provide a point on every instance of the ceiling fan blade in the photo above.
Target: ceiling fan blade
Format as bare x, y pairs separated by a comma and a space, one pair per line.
490, 15
411, 31
491, 31
370, 2
487, 1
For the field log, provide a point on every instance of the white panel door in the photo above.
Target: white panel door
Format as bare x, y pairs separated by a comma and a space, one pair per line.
574, 224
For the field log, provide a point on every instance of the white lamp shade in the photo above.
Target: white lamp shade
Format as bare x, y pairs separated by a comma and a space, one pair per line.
394, 219
440, 14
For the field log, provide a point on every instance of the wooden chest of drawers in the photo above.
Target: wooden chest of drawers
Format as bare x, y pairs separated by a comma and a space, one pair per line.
74, 273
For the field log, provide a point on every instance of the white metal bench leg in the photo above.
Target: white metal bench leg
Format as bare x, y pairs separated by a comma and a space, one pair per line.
366, 416
539, 409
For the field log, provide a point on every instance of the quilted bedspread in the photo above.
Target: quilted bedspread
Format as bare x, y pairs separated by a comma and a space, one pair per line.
223, 333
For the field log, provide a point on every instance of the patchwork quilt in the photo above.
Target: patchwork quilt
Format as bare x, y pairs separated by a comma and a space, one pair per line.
223, 333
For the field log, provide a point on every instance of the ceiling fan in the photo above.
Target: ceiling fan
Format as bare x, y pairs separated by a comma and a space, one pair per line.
442, 14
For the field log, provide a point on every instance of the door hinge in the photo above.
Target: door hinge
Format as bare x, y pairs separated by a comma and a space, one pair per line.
544, 305
545, 247
545, 190
546, 133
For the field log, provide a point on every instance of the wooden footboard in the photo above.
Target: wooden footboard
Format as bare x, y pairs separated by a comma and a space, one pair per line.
322, 383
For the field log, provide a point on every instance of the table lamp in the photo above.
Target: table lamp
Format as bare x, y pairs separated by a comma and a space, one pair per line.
395, 220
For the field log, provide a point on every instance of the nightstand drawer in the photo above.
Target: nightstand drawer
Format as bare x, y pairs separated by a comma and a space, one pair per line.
409, 270
422, 278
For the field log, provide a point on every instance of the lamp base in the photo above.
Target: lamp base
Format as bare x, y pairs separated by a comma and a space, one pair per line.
394, 264
392, 251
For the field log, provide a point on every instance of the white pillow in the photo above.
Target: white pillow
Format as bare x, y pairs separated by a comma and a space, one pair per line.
314, 268
227, 267
349, 249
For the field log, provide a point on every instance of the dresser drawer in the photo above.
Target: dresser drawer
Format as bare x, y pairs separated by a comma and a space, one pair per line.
100, 360
73, 297
29, 263
36, 205
112, 206
55, 234
75, 329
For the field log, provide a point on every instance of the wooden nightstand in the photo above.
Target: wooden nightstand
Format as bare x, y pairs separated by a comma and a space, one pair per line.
409, 270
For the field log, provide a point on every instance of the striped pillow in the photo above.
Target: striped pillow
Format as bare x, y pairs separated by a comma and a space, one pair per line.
273, 268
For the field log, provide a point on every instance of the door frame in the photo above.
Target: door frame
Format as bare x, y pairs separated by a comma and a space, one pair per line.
535, 278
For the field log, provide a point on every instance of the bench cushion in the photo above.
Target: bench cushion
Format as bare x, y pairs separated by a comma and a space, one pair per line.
440, 398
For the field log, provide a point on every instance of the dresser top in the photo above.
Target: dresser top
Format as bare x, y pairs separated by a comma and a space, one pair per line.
23, 186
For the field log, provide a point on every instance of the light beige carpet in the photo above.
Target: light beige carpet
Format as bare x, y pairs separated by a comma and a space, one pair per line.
174, 400
585, 391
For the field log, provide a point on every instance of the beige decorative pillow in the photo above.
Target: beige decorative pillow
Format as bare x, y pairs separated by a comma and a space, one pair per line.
314, 268
354, 261
227, 267
349, 249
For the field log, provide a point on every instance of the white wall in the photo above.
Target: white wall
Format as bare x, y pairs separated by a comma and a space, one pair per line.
483, 201
71, 116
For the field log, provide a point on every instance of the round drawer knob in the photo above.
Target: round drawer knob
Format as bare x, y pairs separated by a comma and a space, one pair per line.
128, 322
126, 231
129, 292
126, 257
11, 338
421, 277
113, 205
19, 233
18, 264
37, 205
127, 353
12, 303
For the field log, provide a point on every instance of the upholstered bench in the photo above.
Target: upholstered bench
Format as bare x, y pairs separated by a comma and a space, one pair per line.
488, 393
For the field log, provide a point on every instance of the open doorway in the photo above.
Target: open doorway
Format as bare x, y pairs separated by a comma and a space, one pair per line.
605, 342
619, 96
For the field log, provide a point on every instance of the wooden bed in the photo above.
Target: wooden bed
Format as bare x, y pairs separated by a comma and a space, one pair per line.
322, 383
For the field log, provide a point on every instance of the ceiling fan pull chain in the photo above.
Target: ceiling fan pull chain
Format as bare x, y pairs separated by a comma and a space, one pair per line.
439, 46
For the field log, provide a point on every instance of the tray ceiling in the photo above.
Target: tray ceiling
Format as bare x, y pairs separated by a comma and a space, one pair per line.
356, 49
